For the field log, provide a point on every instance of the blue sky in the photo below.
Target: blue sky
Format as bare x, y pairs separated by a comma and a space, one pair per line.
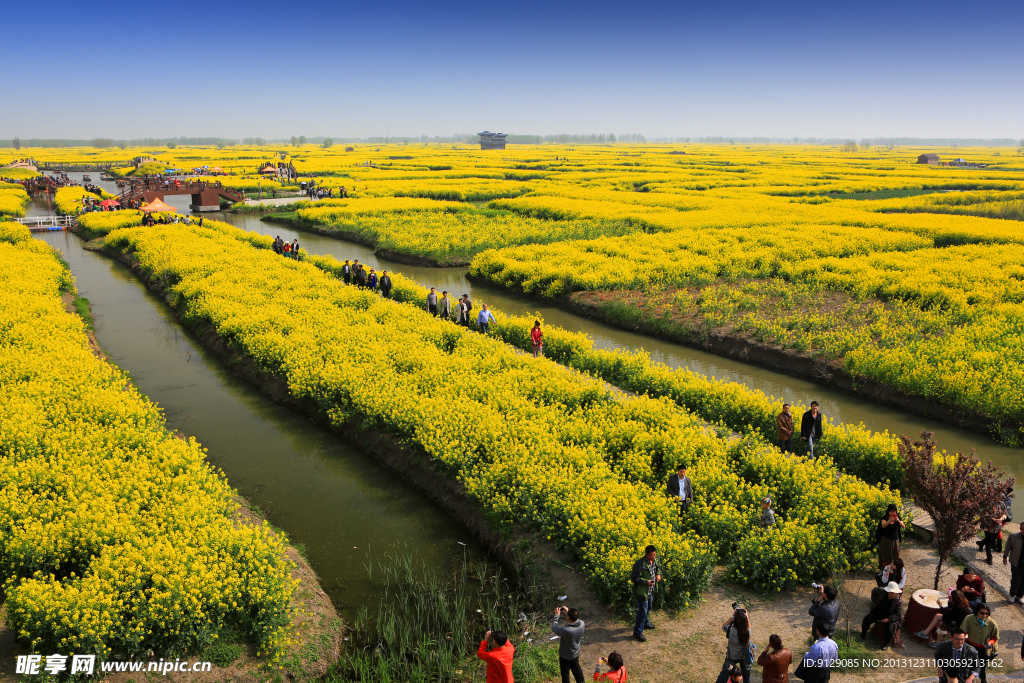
730, 67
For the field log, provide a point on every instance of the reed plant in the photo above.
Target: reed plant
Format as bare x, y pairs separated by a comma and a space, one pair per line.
426, 626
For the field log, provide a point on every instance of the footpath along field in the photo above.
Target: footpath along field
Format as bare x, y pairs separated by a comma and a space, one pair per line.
532, 443
118, 539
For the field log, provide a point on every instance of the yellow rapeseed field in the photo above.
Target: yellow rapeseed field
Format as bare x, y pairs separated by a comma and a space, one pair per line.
117, 537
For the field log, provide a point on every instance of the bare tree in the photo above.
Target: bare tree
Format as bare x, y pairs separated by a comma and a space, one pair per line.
847, 602
956, 490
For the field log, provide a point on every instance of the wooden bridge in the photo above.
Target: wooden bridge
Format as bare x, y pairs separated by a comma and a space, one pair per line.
48, 223
205, 194
54, 166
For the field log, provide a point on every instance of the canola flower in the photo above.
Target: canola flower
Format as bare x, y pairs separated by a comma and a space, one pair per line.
117, 537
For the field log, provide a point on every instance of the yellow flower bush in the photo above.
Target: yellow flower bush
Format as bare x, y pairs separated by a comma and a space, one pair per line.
117, 537
12, 200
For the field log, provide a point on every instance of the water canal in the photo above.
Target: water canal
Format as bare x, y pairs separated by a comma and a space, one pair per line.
340, 505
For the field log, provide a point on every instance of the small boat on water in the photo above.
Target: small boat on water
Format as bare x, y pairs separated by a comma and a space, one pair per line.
86, 179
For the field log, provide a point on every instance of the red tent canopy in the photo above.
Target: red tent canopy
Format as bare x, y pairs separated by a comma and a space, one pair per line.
110, 202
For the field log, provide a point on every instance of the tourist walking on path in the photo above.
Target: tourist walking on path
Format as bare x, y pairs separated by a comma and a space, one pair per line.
956, 660
681, 488
767, 514
889, 534
645, 577
277, 245
616, 672
346, 272
537, 339
360, 275
484, 319
784, 421
498, 658
737, 633
445, 306
810, 428
992, 525
982, 634
825, 610
816, 666
371, 281
469, 308
972, 585
569, 637
775, 661
950, 617
385, 284
432, 302
894, 571
1013, 555
462, 311
886, 608
295, 249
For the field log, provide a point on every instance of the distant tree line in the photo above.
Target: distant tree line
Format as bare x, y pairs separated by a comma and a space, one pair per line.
513, 138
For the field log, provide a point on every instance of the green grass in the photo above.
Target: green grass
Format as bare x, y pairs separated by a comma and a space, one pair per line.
879, 194
84, 311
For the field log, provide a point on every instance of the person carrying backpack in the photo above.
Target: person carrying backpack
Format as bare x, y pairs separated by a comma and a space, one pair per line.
741, 650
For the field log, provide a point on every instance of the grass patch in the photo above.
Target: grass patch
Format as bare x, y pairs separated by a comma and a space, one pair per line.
226, 650
84, 311
879, 194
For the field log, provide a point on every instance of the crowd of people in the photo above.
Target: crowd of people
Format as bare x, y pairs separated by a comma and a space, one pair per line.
966, 616
149, 219
314, 191
286, 249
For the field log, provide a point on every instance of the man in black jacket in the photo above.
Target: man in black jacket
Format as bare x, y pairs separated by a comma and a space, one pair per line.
886, 609
385, 284
957, 659
825, 610
810, 428
680, 488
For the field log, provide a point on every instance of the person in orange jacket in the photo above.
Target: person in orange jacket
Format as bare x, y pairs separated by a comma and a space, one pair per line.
499, 658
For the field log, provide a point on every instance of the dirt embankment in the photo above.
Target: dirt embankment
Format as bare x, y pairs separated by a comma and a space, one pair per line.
595, 305
360, 238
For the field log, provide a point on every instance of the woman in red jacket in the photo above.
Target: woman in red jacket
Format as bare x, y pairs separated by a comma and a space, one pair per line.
616, 672
537, 337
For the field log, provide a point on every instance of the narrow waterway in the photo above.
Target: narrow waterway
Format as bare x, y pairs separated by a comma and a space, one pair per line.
325, 493
836, 405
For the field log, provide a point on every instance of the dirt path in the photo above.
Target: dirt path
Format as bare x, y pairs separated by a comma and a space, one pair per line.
690, 646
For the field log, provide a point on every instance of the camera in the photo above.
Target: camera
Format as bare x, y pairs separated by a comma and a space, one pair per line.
737, 607
816, 586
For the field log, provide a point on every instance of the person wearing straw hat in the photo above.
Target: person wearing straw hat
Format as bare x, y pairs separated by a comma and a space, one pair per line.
886, 608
